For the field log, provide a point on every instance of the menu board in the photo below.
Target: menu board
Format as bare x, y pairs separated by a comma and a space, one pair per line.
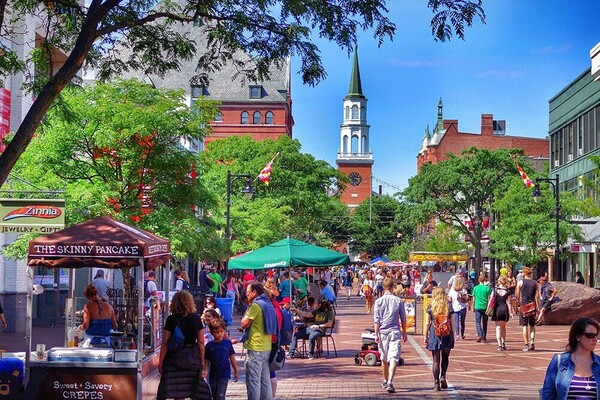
85, 383
158, 323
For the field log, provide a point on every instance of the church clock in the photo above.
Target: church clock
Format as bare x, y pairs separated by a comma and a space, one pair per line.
355, 178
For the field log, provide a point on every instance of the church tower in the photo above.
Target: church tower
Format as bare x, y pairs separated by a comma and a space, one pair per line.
355, 158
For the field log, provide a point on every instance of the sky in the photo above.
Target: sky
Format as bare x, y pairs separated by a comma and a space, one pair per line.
525, 54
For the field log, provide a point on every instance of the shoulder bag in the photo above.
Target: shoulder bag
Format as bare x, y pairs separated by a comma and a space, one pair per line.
277, 356
528, 310
177, 339
489, 311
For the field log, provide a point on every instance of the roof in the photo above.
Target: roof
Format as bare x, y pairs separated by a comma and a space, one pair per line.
355, 89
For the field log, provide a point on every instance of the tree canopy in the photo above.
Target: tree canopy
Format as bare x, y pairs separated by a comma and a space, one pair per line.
268, 31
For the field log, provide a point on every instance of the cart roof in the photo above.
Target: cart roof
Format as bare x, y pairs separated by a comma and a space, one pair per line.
101, 241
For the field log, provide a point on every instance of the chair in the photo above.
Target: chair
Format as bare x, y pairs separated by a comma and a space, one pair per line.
328, 334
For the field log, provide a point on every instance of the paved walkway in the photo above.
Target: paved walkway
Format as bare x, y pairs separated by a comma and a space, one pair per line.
477, 370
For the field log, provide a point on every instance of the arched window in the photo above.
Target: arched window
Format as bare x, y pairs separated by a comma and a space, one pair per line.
244, 117
347, 116
363, 113
269, 117
345, 145
256, 117
354, 112
365, 144
354, 144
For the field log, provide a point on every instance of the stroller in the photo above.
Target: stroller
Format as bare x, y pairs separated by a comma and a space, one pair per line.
369, 351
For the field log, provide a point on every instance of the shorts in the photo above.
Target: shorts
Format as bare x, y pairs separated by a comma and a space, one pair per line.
527, 320
546, 305
390, 346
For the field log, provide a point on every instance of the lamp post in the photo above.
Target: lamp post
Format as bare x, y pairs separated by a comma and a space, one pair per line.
537, 194
248, 192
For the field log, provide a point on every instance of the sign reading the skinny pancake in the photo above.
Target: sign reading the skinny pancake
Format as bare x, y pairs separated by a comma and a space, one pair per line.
96, 250
31, 215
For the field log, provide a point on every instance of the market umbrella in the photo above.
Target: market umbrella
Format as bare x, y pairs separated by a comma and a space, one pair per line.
379, 261
288, 253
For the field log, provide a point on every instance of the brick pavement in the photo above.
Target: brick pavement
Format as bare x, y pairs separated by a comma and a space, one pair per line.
476, 371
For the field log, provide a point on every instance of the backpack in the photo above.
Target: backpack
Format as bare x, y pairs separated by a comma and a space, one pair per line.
287, 328
185, 285
441, 325
147, 293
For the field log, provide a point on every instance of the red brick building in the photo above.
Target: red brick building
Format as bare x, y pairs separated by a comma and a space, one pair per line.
447, 138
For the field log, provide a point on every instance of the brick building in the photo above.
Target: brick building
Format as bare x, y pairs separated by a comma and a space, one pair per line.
447, 138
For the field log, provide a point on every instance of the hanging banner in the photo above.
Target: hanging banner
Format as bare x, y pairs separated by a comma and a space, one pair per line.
439, 257
32, 215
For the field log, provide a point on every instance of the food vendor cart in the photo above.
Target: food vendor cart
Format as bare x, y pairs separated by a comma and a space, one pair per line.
115, 372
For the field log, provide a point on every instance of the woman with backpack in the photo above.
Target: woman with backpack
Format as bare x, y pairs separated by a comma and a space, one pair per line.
439, 338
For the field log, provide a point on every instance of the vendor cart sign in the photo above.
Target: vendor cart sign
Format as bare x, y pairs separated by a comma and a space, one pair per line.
85, 383
31, 215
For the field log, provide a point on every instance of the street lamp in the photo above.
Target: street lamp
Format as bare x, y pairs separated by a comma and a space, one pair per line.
247, 191
537, 195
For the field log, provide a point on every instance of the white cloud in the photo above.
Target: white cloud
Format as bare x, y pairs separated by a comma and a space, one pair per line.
553, 49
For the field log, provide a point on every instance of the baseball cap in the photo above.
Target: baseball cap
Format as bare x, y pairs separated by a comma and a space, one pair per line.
285, 300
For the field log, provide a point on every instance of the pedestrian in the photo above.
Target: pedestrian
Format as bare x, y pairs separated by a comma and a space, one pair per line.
579, 278
389, 316
481, 296
367, 288
348, 280
285, 286
220, 360
327, 292
502, 311
460, 303
528, 294
216, 278
429, 283
547, 293
438, 314
150, 288
101, 285
3, 318
181, 370
180, 282
379, 277
261, 322
575, 374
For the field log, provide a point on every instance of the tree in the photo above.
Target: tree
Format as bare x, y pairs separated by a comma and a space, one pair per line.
115, 149
378, 224
525, 231
268, 31
296, 202
458, 191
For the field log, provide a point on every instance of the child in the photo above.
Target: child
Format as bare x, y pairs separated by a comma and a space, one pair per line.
219, 357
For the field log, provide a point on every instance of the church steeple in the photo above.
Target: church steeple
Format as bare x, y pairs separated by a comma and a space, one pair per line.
355, 89
440, 119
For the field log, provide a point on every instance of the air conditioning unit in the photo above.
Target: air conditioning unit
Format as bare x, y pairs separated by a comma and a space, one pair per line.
570, 157
556, 163
580, 152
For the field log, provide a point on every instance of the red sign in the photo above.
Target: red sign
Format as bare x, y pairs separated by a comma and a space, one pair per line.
4, 115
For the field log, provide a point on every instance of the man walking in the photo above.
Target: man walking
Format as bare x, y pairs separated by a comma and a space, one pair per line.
389, 316
528, 292
260, 323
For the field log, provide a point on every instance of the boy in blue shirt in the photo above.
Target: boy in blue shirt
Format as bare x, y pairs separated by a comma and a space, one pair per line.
219, 357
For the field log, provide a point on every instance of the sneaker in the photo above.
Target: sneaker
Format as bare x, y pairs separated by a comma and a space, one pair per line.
384, 385
526, 348
436, 387
479, 339
390, 388
463, 337
532, 346
457, 337
499, 348
311, 356
484, 340
503, 346
443, 383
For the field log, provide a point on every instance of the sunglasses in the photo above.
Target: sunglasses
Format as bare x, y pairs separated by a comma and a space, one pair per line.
590, 335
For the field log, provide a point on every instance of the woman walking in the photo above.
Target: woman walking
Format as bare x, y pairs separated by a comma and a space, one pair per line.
502, 311
181, 370
575, 374
460, 302
348, 280
438, 314
368, 286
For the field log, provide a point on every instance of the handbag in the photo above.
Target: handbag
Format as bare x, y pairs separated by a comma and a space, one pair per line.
489, 311
186, 359
177, 339
528, 310
277, 356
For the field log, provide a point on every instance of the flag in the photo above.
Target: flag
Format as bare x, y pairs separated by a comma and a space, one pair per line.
524, 176
265, 173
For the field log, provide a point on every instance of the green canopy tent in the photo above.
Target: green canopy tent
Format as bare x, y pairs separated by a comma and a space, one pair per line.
288, 253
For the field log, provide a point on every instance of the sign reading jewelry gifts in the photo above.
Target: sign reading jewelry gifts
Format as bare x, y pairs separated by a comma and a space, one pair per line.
31, 215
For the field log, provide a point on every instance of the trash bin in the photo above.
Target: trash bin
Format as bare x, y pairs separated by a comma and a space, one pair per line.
226, 306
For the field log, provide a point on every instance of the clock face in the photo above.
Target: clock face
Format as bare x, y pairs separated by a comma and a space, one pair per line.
355, 178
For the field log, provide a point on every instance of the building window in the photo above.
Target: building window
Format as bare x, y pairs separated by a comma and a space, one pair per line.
256, 92
218, 117
269, 118
244, 118
256, 117
354, 112
347, 116
198, 91
363, 113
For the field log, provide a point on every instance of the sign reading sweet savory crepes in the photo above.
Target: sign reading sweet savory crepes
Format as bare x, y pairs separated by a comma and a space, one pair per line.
31, 215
